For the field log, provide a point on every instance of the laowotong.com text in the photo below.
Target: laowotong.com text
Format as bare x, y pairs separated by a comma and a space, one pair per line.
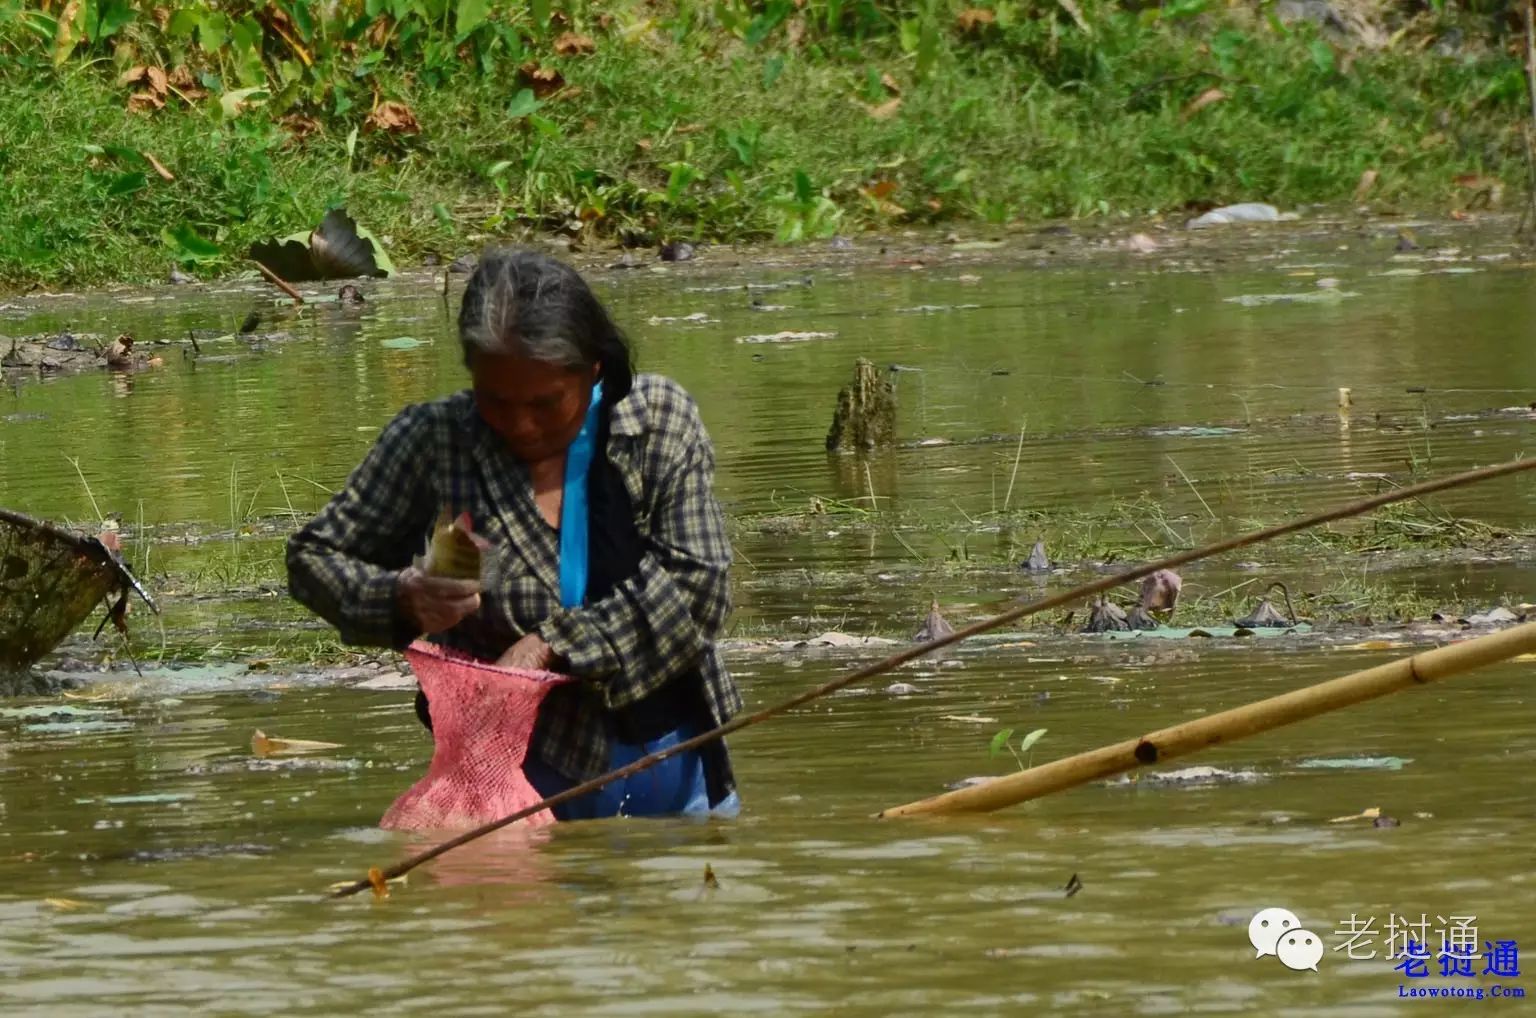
1464, 992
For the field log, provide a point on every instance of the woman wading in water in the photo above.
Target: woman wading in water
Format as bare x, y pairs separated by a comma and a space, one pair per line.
608, 558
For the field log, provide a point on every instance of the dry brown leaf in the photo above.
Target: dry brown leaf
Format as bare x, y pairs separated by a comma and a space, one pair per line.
393, 117
119, 353
570, 44
299, 126
342, 885
158, 167
973, 19
794, 32
688, 129
881, 189
1367, 181
380, 885
885, 110
1209, 97
64, 904
890, 85
158, 82
544, 81
1365, 814
263, 744
132, 75
143, 102
643, 144
710, 880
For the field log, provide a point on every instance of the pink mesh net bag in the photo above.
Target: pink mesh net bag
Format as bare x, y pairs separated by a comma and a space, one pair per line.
482, 721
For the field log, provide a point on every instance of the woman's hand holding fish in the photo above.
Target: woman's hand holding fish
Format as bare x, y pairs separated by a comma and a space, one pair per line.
435, 603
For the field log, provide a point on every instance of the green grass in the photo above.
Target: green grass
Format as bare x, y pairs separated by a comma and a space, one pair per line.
700, 123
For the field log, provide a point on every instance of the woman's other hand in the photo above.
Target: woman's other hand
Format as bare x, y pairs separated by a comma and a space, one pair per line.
531, 652
435, 603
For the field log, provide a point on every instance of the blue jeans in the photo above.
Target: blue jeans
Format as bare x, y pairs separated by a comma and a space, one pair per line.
674, 787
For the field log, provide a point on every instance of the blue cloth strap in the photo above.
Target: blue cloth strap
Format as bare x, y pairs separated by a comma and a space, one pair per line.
573, 507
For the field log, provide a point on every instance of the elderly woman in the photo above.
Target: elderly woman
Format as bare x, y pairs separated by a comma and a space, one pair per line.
608, 560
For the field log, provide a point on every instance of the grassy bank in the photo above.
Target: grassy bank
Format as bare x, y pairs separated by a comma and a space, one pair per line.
443, 125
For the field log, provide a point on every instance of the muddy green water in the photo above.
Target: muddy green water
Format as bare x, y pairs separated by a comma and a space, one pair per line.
150, 865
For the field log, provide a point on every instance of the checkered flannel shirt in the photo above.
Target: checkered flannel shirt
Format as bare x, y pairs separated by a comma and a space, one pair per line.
660, 623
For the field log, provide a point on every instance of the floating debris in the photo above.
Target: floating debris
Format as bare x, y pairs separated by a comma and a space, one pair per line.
786, 337
934, 626
1362, 763
1253, 300
263, 744
1073, 885
1038, 561
677, 251
1264, 614
1493, 617
1246, 212
1189, 777
928, 309
697, 318
1107, 617
834, 639
1160, 591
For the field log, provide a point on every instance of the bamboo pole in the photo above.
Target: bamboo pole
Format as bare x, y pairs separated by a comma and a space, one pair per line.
1229, 726
900, 658
279, 282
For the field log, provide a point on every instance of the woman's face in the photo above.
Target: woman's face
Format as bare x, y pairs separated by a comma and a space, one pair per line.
537, 408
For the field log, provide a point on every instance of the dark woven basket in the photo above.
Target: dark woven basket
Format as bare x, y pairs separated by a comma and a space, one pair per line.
50, 580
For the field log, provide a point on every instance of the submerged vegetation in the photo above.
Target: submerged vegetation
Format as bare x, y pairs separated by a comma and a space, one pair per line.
219, 587
136, 134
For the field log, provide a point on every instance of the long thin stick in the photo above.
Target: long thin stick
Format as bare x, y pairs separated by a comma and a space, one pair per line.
1018, 454
1192, 487
74, 461
279, 282
1228, 726
919, 650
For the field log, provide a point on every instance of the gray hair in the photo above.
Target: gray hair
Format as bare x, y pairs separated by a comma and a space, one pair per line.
526, 304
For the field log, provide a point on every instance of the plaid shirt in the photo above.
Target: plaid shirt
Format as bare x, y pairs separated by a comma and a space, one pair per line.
660, 623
